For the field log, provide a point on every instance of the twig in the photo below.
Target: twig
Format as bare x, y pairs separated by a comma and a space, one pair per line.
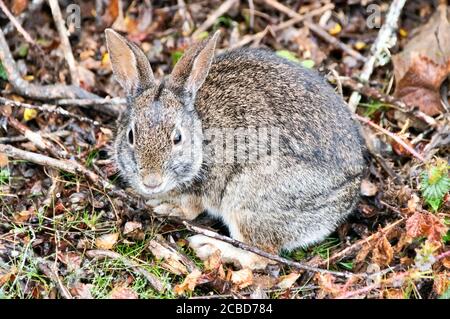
317, 30
395, 137
290, 263
65, 165
21, 138
386, 39
32, 7
34, 91
257, 36
67, 49
68, 166
357, 292
377, 95
16, 24
48, 108
51, 273
152, 279
358, 245
32, 136
222, 9
112, 106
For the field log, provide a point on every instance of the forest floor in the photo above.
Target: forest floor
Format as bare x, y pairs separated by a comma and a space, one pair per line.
70, 228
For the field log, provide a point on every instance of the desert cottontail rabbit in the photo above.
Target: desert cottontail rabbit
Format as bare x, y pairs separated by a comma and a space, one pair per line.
259, 141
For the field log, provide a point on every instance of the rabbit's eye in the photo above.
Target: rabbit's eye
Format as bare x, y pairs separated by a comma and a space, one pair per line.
176, 137
130, 137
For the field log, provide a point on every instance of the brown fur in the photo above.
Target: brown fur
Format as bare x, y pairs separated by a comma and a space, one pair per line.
315, 184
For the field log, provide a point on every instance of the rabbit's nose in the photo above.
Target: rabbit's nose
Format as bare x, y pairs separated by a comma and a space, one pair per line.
152, 180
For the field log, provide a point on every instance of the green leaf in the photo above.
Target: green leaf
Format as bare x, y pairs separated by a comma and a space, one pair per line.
176, 56
309, 64
288, 55
3, 74
435, 184
4, 176
23, 50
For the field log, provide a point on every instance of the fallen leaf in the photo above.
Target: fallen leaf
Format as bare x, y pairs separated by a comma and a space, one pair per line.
107, 241
122, 292
335, 29
170, 258
383, 253
368, 188
18, 6
393, 294
82, 291
424, 64
288, 281
441, 283
3, 160
242, 278
189, 283
29, 114
131, 227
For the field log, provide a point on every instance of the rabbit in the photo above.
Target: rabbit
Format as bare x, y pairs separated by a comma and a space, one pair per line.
305, 178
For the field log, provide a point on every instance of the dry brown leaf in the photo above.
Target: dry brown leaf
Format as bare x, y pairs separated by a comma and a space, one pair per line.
189, 283
71, 259
383, 253
24, 216
81, 291
242, 278
107, 241
131, 226
441, 282
18, 6
394, 294
424, 64
426, 224
446, 262
172, 260
368, 188
288, 281
121, 292
3, 160
416, 225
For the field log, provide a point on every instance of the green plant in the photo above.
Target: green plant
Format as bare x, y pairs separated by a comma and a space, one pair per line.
435, 184
372, 107
176, 56
3, 74
4, 176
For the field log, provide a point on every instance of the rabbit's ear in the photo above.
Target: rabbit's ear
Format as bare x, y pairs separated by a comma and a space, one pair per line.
130, 65
192, 69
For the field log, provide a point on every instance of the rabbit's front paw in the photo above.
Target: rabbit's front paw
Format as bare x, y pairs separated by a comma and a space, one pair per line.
167, 209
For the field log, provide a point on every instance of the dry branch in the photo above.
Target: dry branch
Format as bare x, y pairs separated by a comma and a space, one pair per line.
358, 245
34, 91
290, 263
67, 49
16, 24
386, 39
65, 165
45, 92
377, 95
152, 279
222, 9
257, 36
395, 137
51, 273
317, 30
48, 109
37, 139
